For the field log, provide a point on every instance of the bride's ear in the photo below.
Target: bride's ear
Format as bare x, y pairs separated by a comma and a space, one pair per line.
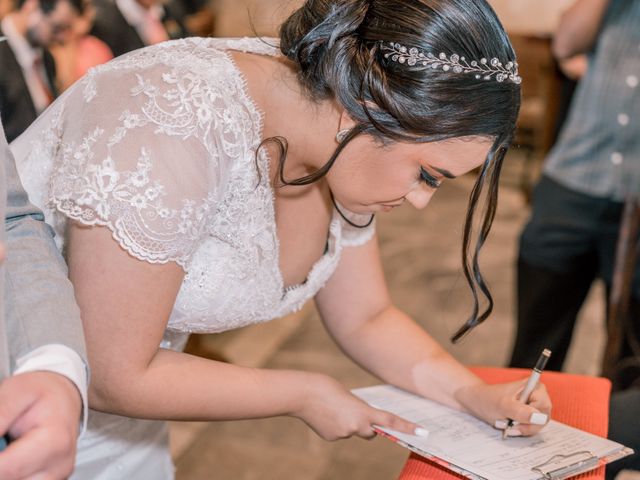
346, 122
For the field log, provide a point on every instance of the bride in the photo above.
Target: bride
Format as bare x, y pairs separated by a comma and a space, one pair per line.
202, 185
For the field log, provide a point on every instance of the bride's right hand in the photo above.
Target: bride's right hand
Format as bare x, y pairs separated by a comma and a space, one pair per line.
335, 413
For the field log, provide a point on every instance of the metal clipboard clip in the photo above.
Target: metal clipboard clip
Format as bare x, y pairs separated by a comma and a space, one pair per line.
562, 466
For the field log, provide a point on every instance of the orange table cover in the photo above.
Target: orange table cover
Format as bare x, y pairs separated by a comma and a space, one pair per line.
578, 400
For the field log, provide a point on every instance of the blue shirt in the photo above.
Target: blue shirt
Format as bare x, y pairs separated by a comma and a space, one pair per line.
598, 151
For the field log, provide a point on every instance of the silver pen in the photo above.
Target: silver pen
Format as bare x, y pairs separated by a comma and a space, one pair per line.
534, 378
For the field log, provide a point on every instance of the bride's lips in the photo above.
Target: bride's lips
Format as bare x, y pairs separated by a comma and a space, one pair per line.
388, 207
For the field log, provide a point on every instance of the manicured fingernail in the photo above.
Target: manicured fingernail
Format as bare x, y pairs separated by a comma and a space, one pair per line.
513, 432
539, 418
421, 432
501, 424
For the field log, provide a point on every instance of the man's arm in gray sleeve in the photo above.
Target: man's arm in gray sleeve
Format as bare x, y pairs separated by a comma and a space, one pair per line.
40, 306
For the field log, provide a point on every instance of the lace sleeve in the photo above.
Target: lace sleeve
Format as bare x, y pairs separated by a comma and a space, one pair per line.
126, 151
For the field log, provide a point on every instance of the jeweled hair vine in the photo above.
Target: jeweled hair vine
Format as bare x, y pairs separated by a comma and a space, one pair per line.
482, 69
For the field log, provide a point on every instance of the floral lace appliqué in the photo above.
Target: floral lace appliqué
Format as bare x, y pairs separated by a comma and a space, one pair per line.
159, 145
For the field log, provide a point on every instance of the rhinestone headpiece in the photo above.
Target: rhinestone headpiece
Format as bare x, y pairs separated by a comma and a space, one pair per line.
483, 69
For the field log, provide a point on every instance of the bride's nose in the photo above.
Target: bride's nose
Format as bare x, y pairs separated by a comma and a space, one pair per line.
420, 196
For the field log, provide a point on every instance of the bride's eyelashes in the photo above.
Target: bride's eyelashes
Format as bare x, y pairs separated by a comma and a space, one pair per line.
429, 179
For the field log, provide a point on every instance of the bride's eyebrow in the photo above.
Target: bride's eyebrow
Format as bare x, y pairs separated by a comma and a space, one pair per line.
445, 173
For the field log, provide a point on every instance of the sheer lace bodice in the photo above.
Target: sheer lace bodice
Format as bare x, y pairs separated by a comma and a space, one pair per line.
159, 146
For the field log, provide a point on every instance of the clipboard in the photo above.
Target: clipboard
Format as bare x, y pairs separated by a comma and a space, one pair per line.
465, 445
423, 453
564, 466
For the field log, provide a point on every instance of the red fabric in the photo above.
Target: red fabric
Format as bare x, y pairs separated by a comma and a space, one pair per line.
578, 400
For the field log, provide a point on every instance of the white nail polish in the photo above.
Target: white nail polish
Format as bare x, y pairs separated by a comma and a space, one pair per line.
500, 424
421, 432
513, 432
539, 418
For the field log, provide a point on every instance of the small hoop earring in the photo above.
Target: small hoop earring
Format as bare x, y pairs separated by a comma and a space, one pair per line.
342, 134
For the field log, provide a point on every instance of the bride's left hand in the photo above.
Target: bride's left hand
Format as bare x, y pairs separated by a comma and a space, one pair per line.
500, 401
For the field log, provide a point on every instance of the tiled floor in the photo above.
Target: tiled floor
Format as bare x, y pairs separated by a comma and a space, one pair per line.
421, 257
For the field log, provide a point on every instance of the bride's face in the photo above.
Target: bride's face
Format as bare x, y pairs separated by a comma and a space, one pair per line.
369, 178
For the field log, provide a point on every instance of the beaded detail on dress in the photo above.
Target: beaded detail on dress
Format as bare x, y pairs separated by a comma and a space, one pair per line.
159, 146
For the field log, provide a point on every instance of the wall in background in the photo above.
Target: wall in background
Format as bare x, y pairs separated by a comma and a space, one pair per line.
530, 17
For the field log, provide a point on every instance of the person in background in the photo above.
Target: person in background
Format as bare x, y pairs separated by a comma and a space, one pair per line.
571, 236
81, 51
27, 69
126, 25
43, 368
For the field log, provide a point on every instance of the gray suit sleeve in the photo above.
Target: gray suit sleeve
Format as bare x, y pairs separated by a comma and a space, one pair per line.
4, 348
39, 302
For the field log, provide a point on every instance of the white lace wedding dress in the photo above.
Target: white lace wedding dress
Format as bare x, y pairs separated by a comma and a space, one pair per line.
159, 146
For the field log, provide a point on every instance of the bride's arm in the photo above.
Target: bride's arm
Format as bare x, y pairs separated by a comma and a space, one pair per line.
358, 313
125, 305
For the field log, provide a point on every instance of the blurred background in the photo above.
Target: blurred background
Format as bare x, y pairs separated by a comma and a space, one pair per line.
423, 269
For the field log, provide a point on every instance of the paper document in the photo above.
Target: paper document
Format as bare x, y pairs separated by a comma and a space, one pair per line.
469, 446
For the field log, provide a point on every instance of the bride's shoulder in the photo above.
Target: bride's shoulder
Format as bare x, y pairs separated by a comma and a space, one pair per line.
174, 64
195, 54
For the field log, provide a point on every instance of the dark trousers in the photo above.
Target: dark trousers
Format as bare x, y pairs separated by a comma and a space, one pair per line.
624, 428
570, 241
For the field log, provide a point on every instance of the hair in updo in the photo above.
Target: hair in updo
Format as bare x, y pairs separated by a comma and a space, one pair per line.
336, 45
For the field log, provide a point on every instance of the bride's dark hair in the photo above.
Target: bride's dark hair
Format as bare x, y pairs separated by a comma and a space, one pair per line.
336, 45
